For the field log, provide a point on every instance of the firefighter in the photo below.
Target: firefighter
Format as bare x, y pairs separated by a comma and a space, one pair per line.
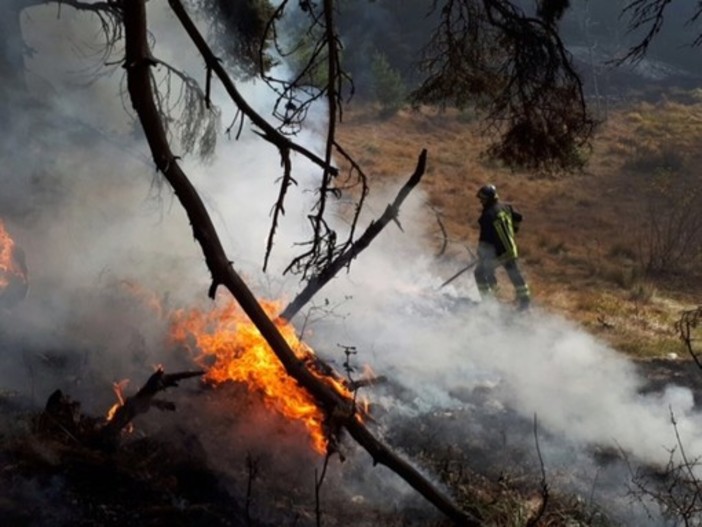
499, 222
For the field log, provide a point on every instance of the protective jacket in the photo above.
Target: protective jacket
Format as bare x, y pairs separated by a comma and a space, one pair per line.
498, 224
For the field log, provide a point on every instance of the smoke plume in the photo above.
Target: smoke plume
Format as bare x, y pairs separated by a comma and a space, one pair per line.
103, 234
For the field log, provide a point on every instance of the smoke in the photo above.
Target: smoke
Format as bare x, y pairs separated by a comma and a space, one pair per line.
95, 219
432, 342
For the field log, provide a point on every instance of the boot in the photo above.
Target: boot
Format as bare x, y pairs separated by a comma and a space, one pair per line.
523, 304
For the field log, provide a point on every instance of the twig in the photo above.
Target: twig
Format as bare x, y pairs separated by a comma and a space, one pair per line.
252, 468
344, 259
544, 485
690, 320
317, 488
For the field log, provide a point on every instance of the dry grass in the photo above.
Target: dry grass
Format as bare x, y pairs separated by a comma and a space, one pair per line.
579, 240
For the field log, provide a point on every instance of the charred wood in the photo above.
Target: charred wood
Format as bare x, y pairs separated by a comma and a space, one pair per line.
142, 402
63, 420
138, 62
362, 383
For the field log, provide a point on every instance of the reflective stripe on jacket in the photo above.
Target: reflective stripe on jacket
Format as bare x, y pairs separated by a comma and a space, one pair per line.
498, 223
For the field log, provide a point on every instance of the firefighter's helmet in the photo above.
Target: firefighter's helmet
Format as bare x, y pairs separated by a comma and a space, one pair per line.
487, 193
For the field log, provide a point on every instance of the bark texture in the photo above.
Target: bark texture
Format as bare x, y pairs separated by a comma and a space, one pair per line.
138, 62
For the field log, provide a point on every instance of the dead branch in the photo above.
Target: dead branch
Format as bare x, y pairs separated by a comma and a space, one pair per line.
142, 402
62, 417
332, 44
371, 381
534, 520
490, 54
318, 481
345, 258
315, 260
442, 228
268, 132
675, 488
252, 469
689, 321
650, 14
138, 63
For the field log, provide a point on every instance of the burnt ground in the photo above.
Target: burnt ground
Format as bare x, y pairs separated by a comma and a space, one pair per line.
165, 475
661, 372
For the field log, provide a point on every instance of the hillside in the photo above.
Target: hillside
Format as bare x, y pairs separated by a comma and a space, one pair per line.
225, 459
586, 239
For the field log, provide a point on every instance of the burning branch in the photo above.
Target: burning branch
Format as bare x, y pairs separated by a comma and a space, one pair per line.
62, 415
142, 401
214, 65
138, 62
268, 132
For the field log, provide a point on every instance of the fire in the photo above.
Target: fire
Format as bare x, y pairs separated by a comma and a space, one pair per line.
11, 265
118, 388
231, 348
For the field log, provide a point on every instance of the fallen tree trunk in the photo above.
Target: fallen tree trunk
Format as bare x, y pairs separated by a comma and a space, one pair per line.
138, 62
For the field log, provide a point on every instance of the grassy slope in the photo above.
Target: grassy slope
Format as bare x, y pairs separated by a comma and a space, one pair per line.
579, 242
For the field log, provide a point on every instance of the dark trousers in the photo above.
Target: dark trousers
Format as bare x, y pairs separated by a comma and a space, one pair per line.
487, 282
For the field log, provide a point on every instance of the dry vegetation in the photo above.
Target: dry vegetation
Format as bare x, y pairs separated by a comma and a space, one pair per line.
584, 242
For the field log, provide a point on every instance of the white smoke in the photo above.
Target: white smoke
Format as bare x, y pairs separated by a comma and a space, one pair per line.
404, 325
104, 221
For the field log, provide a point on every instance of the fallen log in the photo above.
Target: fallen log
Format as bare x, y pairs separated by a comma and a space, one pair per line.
138, 62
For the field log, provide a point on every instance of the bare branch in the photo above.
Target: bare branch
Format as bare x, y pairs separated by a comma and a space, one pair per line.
344, 259
328, 397
534, 520
644, 12
689, 321
268, 132
320, 76
490, 54
279, 207
142, 401
442, 228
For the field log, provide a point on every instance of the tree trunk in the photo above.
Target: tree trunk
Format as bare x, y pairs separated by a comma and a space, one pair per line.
137, 63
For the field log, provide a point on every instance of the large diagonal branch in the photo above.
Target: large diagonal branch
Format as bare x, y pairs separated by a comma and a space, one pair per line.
345, 258
138, 62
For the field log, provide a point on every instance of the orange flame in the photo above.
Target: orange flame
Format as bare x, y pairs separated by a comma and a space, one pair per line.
8, 262
118, 388
149, 298
226, 336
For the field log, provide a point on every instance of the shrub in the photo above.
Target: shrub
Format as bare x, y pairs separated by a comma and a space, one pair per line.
389, 88
670, 237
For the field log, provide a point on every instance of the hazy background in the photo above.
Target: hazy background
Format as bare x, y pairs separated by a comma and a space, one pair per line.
82, 198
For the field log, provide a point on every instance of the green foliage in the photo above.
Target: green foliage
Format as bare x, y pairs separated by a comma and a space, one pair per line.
389, 89
400, 28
